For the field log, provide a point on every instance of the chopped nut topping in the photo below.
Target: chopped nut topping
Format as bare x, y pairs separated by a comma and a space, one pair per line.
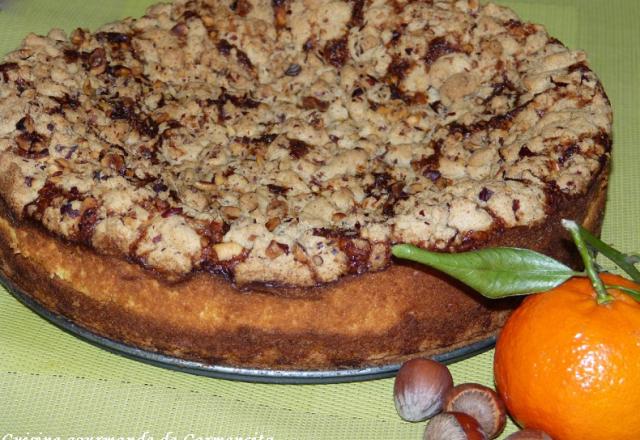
212, 134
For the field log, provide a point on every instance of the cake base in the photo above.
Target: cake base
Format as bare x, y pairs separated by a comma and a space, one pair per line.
258, 375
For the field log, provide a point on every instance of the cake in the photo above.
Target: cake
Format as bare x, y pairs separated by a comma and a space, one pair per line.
223, 181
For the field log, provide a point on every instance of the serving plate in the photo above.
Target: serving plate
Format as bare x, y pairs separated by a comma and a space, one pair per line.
229, 372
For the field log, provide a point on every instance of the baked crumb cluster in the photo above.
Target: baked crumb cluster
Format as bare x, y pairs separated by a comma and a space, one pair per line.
292, 142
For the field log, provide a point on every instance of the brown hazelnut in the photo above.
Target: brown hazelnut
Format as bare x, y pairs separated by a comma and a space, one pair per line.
529, 434
180, 30
98, 61
77, 37
272, 224
208, 20
275, 249
454, 426
249, 201
481, 403
419, 389
62, 164
338, 216
231, 212
115, 162
299, 253
122, 72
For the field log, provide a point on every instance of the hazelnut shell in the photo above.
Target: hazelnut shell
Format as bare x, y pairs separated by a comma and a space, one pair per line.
481, 403
420, 388
529, 434
454, 426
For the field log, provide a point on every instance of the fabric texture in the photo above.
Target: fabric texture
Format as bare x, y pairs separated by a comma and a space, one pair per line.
53, 384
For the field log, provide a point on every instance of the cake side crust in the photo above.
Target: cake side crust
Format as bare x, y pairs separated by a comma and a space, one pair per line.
371, 319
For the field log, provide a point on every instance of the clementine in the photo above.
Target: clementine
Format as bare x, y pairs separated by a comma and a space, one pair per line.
571, 367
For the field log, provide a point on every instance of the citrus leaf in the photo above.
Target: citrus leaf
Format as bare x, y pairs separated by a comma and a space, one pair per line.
494, 272
626, 262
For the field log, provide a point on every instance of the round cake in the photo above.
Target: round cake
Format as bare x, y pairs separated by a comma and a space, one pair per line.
223, 181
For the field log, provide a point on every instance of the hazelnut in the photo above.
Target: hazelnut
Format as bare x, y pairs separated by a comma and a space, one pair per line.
419, 389
208, 20
98, 61
203, 185
454, 426
277, 208
272, 224
62, 164
86, 88
180, 30
122, 72
89, 203
529, 434
300, 254
231, 212
275, 249
137, 69
114, 161
77, 37
249, 201
481, 403
336, 217
227, 251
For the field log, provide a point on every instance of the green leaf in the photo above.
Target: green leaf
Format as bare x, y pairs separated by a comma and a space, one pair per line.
494, 272
626, 262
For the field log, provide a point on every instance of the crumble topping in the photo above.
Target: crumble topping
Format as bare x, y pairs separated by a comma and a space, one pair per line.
293, 141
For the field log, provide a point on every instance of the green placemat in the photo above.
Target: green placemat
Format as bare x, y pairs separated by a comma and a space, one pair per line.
52, 384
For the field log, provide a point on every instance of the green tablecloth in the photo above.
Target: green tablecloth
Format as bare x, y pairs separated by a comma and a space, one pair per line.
52, 384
